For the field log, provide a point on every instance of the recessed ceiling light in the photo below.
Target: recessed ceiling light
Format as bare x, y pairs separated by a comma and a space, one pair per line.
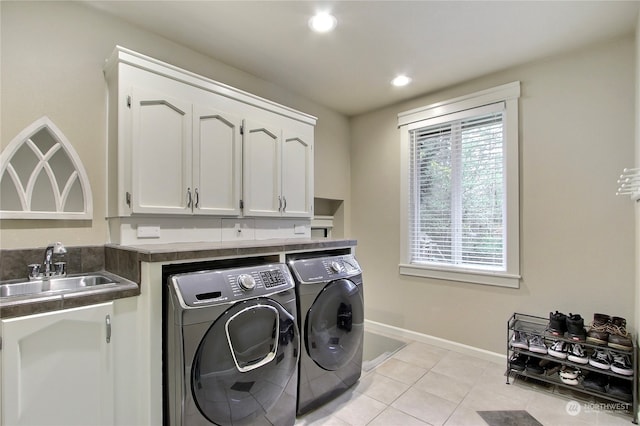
323, 22
401, 80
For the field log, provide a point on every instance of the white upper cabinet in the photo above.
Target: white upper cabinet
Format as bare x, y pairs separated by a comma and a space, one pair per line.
261, 169
278, 172
217, 161
297, 174
182, 144
161, 153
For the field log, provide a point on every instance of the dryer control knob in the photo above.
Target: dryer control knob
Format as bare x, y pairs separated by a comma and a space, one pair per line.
246, 282
336, 266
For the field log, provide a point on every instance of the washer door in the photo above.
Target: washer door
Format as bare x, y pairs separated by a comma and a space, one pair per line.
334, 325
244, 362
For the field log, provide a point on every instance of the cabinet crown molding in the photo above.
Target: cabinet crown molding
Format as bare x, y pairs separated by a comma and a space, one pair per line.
123, 55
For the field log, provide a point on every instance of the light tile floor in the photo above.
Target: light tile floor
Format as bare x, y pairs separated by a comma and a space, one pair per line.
426, 385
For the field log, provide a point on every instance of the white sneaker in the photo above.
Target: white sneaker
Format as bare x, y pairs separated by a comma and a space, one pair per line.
600, 359
569, 372
621, 364
519, 340
536, 344
577, 354
558, 349
569, 375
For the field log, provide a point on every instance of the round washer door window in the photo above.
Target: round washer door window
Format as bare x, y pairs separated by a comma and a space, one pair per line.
334, 325
244, 362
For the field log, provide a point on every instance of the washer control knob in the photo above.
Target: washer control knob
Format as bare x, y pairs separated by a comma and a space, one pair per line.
336, 267
246, 282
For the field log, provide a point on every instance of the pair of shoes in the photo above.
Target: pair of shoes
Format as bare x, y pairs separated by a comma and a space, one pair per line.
577, 354
573, 325
533, 342
572, 351
616, 362
569, 375
611, 331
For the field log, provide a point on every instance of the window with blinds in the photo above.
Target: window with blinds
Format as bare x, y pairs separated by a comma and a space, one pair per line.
457, 191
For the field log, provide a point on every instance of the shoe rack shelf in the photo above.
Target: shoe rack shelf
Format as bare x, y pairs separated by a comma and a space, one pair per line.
534, 325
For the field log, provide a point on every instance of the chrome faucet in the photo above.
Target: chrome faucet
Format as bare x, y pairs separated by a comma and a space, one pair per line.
50, 268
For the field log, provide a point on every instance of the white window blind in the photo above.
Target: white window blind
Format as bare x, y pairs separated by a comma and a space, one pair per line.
457, 191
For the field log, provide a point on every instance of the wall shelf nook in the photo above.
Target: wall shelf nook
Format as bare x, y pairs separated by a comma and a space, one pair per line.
42, 177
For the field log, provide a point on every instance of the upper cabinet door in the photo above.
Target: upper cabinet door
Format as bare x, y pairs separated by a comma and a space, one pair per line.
161, 154
297, 175
217, 162
261, 170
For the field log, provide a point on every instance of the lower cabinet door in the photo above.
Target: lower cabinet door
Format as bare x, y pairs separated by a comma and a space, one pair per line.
57, 368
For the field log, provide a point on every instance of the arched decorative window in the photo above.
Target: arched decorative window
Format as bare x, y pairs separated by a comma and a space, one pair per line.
42, 177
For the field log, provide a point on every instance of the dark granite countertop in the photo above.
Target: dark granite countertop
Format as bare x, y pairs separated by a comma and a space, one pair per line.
16, 306
124, 262
183, 251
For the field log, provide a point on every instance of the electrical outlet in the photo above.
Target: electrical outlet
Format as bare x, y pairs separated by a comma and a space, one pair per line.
148, 232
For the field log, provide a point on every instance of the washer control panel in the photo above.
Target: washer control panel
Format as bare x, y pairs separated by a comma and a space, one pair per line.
325, 268
216, 287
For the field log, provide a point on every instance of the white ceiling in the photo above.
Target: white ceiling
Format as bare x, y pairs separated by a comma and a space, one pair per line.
437, 43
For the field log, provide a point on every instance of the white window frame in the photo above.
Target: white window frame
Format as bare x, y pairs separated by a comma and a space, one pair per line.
442, 111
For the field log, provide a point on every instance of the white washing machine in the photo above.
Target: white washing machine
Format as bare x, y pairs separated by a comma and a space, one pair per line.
331, 318
232, 347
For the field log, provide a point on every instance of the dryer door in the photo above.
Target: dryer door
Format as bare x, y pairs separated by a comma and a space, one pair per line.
244, 362
335, 325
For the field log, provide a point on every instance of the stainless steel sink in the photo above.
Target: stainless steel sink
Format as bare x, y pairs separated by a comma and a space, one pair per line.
55, 284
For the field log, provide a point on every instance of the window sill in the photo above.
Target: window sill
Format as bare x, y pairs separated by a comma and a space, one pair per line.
468, 276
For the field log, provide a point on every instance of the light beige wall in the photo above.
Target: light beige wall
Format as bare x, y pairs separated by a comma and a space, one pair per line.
577, 238
51, 64
637, 164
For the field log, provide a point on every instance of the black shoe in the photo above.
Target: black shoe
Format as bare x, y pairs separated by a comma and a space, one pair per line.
620, 388
517, 362
533, 366
575, 328
596, 381
557, 323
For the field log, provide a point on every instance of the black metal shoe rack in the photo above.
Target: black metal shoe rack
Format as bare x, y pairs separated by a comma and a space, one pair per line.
533, 325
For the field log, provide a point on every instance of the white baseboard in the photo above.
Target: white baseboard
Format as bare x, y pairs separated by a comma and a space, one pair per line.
402, 333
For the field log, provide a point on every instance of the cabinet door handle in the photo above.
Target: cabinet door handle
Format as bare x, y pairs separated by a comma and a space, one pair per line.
197, 198
189, 200
107, 321
284, 207
279, 203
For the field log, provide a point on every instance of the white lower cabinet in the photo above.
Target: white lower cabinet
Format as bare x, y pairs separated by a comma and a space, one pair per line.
57, 368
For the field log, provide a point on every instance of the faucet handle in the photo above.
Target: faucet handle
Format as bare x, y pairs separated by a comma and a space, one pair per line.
34, 270
60, 268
